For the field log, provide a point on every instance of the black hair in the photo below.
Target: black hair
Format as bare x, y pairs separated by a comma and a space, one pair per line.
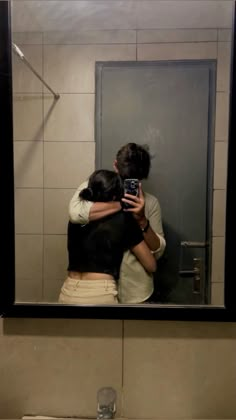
133, 161
103, 186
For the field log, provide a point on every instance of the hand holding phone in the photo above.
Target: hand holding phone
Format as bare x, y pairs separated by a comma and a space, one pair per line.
131, 186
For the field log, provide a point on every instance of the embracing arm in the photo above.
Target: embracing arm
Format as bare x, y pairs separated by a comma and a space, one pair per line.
83, 212
145, 257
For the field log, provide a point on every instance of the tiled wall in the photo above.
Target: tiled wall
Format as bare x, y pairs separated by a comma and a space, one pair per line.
161, 370
54, 141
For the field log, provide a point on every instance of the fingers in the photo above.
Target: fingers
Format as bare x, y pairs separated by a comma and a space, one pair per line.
132, 198
140, 191
131, 202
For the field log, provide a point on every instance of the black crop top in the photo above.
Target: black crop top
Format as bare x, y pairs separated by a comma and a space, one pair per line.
98, 246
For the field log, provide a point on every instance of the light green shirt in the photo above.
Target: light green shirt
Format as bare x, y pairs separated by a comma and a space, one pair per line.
135, 283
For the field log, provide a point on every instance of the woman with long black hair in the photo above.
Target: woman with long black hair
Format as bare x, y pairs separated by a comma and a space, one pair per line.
96, 249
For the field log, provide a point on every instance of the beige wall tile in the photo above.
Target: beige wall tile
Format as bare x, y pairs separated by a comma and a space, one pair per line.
67, 164
55, 258
71, 118
218, 254
222, 116
177, 51
225, 34
28, 117
29, 210
220, 165
27, 38
217, 294
175, 370
51, 289
184, 14
219, 204
91, 37
65, 362
29, 267
56, 202
71, 68
223, 66
72, 15
176, 35
28, 164
24, 80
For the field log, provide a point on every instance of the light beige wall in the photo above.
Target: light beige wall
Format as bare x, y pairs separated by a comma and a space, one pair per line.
160, 369
54, 141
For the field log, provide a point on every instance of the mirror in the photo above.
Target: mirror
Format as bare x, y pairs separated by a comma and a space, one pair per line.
89, 77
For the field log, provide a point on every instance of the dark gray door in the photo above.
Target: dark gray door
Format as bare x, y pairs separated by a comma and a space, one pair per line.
170, 107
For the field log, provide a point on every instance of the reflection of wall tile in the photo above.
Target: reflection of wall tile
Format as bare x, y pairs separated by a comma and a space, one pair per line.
52, 289
71, 118
225, 34
67, 164
72, 15
184, 14
220, 165
177, 51
218, 248
29, 210
217, 294
28, 117
55, 258
219, 204
222, 116
176, 35
28, 164
60, 62
56, 202
223, 66
27, 38
90, 37
24, 80
29, 257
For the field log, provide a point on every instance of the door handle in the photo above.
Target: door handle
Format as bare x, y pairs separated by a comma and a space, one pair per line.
197, 273
194, 244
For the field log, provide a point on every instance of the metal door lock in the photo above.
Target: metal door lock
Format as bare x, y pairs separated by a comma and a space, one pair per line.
197, 273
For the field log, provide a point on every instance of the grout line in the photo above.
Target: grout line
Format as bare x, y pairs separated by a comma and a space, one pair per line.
204, 41
122, 369
41, 234
42, 291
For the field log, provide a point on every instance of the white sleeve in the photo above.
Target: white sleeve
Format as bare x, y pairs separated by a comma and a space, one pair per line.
155, 219
79, 209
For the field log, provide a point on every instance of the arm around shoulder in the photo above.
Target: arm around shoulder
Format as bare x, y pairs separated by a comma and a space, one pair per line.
79, 209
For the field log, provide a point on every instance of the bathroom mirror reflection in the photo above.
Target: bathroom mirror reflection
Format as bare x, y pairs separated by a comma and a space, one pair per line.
152, 73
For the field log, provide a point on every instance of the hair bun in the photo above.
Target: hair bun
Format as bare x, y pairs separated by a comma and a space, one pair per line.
86, 194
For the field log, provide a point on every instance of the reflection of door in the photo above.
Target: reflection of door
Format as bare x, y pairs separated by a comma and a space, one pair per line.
170, 107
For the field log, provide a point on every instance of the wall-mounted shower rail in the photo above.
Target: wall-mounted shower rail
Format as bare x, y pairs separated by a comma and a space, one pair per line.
20, 54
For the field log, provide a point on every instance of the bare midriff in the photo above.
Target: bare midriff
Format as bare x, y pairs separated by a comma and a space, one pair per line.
89, 276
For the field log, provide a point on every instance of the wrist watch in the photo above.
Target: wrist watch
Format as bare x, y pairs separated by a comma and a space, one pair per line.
144, 229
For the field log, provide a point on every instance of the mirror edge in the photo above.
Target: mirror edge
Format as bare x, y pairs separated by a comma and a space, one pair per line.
8, 307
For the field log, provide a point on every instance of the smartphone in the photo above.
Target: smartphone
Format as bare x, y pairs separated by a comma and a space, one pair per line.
131, 186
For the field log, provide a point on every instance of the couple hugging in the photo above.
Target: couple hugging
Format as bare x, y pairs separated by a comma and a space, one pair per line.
114, 239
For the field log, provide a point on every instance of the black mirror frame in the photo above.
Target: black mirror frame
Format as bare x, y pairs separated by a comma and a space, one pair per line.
8, 307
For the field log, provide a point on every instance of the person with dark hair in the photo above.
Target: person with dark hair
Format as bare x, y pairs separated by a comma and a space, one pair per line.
96, 249
132, 161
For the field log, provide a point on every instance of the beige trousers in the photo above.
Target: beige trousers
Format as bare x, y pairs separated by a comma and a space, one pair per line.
88, 291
